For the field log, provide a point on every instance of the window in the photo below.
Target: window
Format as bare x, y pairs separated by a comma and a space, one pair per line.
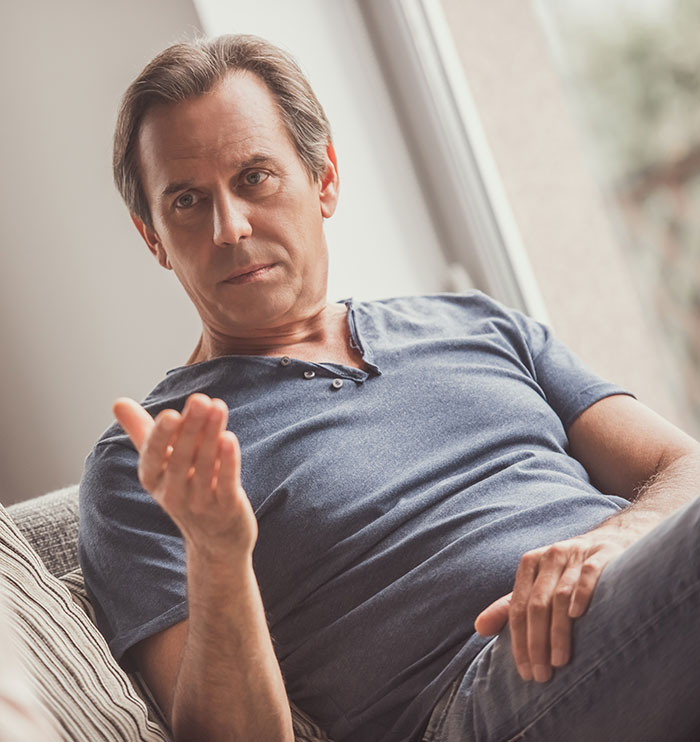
518, 64
632, 73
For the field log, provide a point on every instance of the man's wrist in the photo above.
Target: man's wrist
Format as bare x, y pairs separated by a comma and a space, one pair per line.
212, 560
629, 525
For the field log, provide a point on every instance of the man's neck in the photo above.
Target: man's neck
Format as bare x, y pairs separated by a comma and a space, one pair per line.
323, 336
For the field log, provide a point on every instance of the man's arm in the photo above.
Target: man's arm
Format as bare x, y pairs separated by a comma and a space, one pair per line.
627, 450
215, 675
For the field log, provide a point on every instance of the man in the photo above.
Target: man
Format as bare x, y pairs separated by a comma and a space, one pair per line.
338, 491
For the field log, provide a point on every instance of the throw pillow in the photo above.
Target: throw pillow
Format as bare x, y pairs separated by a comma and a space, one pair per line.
85, 694
21, 715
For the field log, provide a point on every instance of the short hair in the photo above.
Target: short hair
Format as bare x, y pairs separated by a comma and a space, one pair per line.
187, 70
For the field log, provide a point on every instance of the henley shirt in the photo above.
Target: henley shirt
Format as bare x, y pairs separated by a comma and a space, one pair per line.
393, 504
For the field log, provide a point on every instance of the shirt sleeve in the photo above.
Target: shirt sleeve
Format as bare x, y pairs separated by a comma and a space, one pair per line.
131, 552
569, 386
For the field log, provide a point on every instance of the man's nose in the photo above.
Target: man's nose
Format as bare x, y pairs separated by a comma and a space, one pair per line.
231, 220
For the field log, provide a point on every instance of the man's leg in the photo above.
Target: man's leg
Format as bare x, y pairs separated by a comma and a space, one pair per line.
635, 672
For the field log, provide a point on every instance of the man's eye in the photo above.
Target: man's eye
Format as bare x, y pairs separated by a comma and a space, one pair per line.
185, 201
256, 177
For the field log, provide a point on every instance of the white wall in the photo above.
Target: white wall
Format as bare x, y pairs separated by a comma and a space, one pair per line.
86, 314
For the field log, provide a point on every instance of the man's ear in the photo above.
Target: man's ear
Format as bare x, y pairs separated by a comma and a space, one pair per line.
150, 237
329, 184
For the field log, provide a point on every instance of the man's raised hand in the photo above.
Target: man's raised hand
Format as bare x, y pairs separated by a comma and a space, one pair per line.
191, 465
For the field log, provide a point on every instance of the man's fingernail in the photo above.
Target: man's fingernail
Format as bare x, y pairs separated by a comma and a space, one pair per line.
559, 657
525, 672
541, 673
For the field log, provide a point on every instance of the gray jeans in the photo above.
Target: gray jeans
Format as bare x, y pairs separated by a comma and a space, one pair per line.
635, 672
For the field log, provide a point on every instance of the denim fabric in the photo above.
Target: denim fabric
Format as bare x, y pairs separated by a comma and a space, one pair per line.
635, 674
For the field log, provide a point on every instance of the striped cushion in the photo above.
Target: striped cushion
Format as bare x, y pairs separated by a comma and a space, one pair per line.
304, 728
85, 693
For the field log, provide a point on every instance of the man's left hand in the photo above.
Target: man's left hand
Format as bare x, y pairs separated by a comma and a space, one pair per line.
553, 586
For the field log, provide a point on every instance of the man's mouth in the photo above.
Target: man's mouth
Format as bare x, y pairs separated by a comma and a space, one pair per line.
251, 273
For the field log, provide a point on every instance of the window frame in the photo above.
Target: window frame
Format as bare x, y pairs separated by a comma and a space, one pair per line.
455, 166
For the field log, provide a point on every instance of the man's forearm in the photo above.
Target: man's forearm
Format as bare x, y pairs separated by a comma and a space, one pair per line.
221, 680
671, 487
229, 685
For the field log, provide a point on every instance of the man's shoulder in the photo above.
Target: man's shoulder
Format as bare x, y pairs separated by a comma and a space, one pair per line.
441, 308
472, 298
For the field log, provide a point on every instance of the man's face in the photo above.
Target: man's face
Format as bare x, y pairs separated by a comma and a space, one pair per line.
235, 214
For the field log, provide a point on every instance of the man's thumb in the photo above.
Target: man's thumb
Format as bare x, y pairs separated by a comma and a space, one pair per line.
492, 619
134, 419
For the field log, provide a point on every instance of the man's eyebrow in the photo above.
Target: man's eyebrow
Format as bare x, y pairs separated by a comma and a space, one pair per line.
171, 188
183, 185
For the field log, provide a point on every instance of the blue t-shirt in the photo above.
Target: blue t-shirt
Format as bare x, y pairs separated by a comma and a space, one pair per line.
392, 509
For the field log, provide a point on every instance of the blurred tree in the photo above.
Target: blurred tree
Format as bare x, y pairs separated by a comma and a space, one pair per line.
637, 83
634, 80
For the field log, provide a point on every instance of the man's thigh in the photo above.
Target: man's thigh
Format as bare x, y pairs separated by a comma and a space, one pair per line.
635, 672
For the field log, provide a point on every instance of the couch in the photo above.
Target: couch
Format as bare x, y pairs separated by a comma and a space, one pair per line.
83, 693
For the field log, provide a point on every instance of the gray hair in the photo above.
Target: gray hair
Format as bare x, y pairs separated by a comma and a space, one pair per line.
186, 70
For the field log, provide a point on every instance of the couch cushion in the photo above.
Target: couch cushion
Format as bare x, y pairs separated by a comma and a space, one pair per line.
50, 524
21, 715
76, 587
85, 693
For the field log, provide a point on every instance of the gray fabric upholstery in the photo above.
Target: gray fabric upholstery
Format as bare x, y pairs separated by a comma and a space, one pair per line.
50, 524
84, 694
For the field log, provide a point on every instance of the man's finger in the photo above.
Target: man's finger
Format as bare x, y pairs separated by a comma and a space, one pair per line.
548, 606
583, 592
518, 613
134, 419
194, 419
229, 478
206, 455
493, 618
156, 450
561, 631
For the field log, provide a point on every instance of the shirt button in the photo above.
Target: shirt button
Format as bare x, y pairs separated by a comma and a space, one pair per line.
285, 361
337, 383
309, 374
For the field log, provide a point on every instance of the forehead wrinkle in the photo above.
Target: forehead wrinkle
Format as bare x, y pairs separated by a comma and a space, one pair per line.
225, 142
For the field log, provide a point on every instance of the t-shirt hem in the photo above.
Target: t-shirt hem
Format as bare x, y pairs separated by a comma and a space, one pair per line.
120, 643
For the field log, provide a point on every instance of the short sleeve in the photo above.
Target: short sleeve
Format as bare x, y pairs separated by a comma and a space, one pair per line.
569, 386
131, 552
